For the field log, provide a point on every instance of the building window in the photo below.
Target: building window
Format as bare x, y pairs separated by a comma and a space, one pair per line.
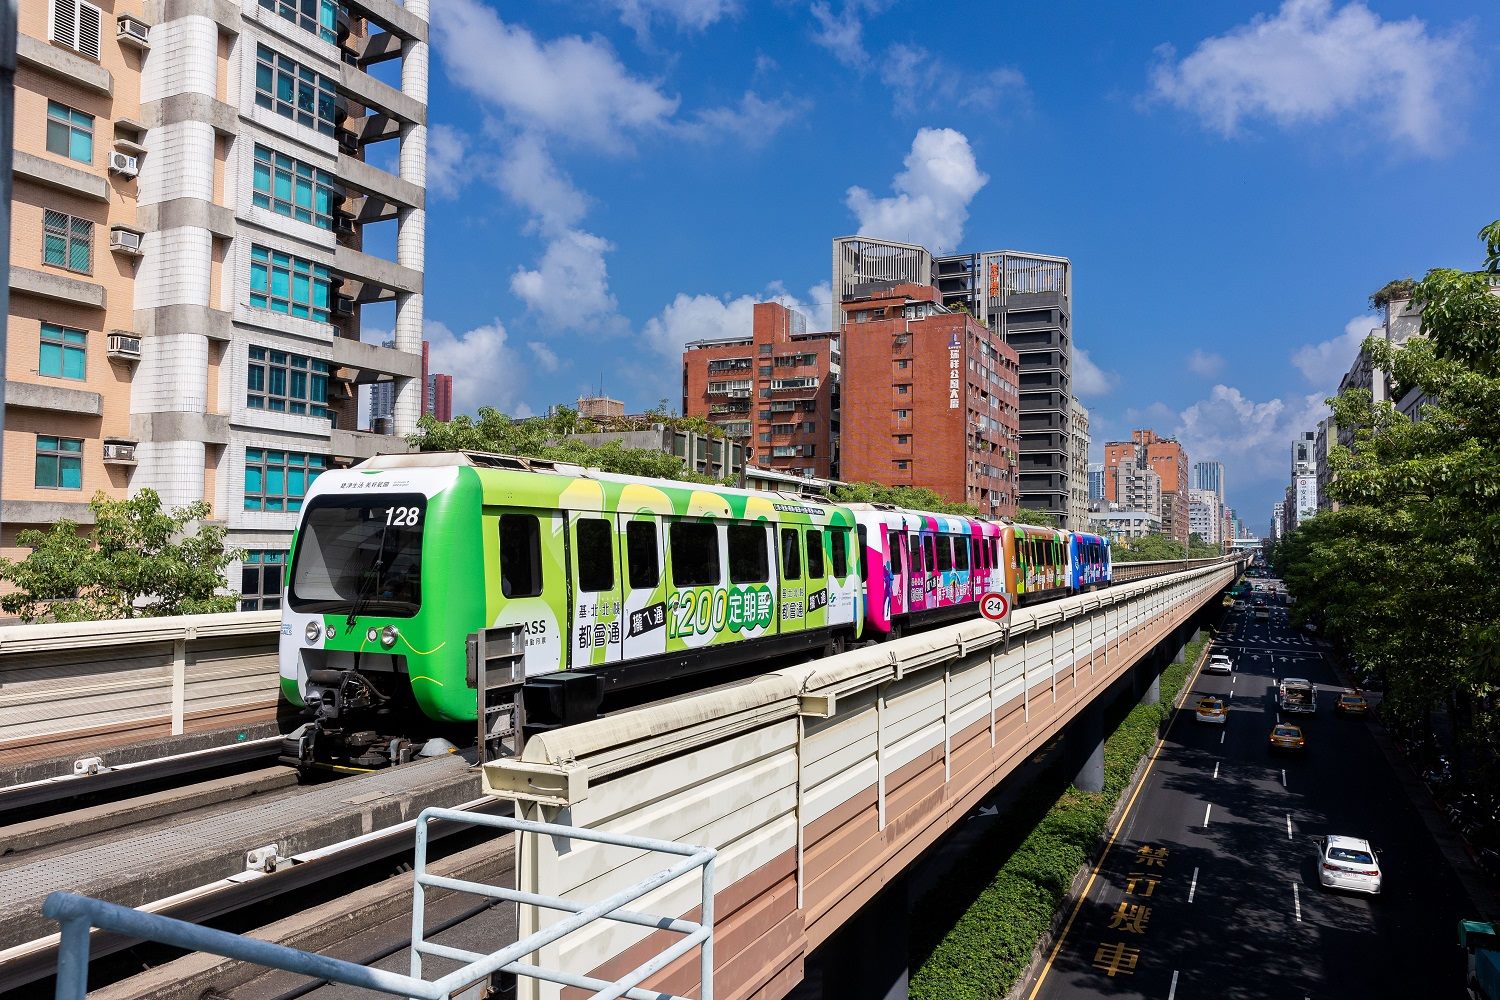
903, 363
278, 480
64, 352
292, 188
261, 580
70, 133
317, 16
76, 24
903, 464
59, 463
903, 439
902, 390
293, 91
903, 414
67, 242
287, 383
286, 284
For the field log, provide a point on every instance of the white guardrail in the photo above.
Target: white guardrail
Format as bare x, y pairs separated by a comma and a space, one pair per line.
150, 676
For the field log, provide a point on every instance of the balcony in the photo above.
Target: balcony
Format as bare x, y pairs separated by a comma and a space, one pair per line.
738, 389
794, 385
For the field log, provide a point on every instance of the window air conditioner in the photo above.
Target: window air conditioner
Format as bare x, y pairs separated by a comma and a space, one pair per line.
343, 305
119, 453
124, 346
124, 240
133, 31
124, 164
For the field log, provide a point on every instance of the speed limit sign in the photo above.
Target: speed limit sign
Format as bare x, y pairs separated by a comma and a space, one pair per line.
994, 606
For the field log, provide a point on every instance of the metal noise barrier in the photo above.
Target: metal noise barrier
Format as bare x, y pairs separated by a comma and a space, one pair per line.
78, 915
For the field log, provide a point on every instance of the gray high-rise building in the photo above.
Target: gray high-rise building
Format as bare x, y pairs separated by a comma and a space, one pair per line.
1027, 299
1096, 482
1209, 476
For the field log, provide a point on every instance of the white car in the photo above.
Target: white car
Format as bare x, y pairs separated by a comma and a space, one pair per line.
1218, 663
1348, 863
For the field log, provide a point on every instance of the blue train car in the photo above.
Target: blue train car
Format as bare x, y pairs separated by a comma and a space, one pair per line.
1088, 561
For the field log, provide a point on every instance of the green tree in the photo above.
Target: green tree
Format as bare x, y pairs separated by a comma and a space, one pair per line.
1151, 548
1402, 575
907, 497
139, 561
553, 437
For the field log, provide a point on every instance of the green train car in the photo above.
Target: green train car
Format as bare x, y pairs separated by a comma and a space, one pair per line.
615, 581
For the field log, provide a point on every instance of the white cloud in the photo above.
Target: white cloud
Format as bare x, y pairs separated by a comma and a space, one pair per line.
1310, 63
446, 151
753, 122
546, 358
486, 370
1204, 363
921, 80
1253, 439
708, 317
568, 87
570, 287
842, 32
529, 175
1324, 364
688, 15
1088, 378
932, 197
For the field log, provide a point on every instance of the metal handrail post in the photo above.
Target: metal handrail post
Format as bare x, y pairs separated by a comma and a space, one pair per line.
73, 959
706, 918
419, 892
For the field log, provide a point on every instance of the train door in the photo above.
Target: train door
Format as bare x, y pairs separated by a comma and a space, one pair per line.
597, 629
695, 573
533, 585
962, 567
794, 588
917, 569
815, 556
900, 581
644, 593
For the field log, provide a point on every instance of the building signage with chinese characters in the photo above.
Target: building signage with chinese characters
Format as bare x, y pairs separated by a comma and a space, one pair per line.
954, 374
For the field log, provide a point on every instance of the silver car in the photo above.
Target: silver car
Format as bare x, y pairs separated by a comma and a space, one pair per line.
1348, 863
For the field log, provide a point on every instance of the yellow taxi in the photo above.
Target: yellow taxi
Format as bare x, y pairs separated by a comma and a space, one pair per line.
1352, 703
1285, 736
1212, 710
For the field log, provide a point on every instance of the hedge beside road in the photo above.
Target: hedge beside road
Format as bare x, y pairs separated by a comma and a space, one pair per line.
991, 942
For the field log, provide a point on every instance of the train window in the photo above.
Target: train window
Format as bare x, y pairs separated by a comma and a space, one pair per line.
930, 553
961, 553
898, 546
839, 541
791, 559
596, 554
695, 554
640, 550
914, 553
815, 568
520, 555
994, 552
748, 561
864, 553
944, 553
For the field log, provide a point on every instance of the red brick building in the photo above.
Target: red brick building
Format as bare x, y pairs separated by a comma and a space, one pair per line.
1169, 460
775, 389
930, 399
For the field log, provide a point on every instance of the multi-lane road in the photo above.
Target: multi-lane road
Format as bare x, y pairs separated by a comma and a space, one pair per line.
1210, 890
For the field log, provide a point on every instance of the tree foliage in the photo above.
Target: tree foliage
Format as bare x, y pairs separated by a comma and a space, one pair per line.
1391, 291
553, 437
139, 561
907, 497
1403, 574
1156, 547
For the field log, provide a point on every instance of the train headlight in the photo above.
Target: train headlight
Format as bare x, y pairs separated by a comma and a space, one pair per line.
388, 636
313, 632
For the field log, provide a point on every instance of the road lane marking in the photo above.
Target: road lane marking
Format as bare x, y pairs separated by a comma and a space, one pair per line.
1216, 770
1115, 833
1221, 737
1297, 901
1172, 993
1288, 826
1283, 777
1193, 889
1206, 810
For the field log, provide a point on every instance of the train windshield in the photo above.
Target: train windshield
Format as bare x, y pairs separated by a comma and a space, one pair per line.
360, 555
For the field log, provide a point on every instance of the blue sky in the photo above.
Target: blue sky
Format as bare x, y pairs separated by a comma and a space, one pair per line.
611, 178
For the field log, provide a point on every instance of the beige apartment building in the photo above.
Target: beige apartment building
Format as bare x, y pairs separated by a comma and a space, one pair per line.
195, 184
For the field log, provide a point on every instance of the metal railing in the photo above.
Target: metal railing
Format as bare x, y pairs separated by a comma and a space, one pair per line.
78, 915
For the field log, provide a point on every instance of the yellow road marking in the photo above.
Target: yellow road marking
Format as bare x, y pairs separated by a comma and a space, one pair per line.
1187, 686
